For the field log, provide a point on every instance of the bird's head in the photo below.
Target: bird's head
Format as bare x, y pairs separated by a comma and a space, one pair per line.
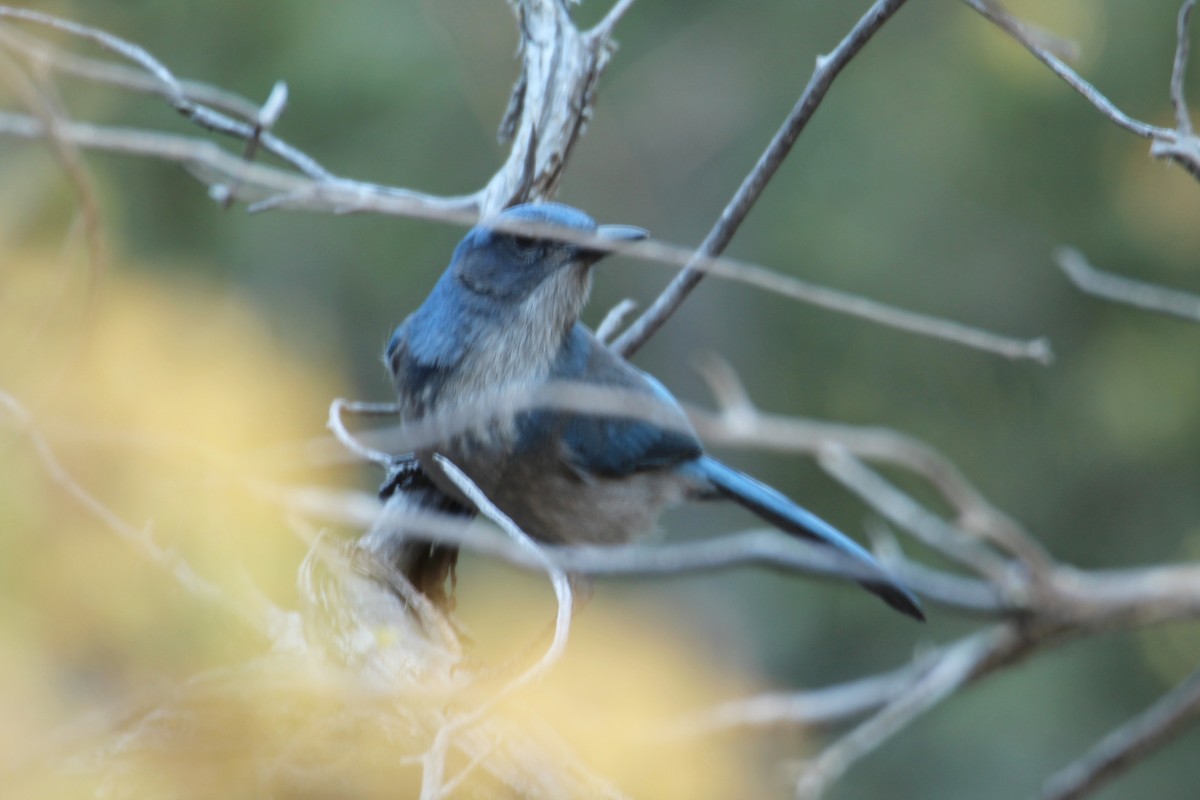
512, 265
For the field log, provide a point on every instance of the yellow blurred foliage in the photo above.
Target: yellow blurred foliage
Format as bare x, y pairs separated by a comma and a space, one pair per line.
158, 399
615, 696
166, 401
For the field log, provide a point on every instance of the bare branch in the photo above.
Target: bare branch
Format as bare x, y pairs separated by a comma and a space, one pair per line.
768, 549
1180, 146
555, 58
551, 103
736, 408
1019, 31
110, 73
747, 426
853, 305
213, 165
280, 189
451, 786
809, 709
554, 55
910, 515
975, 513
1129, 744
957, 665
1072, 604
1183, 120
365, 409
172, 89
827, 69
1100, 600
1118, 289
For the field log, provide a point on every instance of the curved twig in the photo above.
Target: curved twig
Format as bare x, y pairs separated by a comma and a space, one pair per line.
434, 760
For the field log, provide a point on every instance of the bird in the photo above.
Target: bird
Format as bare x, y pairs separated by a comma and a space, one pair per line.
505, 315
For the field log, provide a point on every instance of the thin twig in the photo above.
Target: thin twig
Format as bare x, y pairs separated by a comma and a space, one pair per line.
1037, 349
747, 426
173, 90
1180, 146
910, 515
129, 78
281, 189
736, 407
1118, 289
604, 28
881, 445
614, 319
1129, 744
348, 440
264, 120
956, 666
452, 785
827, 69
766, 549
434, 760
808, 709
1019, 31
1183, 120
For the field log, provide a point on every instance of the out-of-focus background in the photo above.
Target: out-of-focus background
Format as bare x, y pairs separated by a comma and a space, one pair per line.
938, 176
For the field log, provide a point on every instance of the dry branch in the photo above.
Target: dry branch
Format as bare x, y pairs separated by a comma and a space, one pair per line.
1179, 145
351, 595
544, 125
1118, 289
1130, 743
827, 69
955, 667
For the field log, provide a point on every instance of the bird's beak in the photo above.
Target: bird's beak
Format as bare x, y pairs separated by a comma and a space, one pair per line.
622, 233
614, 233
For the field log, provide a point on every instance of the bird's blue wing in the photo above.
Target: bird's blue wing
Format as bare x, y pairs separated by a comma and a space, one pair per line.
605, 445
412, 375
425, 348
612, 447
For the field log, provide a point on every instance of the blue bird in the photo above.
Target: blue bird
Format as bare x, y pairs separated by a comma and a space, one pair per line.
505, 314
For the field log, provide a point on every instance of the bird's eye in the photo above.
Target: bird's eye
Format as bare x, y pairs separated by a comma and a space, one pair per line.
528, 248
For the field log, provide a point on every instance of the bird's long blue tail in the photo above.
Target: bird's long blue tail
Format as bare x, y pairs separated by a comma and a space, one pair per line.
781, 512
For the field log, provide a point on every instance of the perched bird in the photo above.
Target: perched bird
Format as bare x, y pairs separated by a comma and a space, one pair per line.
505, 314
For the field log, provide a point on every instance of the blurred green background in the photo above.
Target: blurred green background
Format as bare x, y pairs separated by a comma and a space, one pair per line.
940, 173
